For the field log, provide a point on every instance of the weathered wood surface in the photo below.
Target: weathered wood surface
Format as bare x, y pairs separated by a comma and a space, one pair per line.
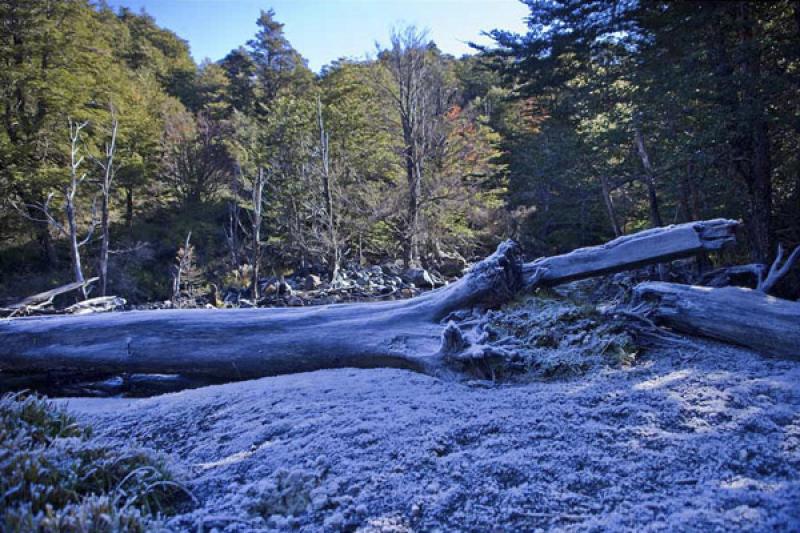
248, 343
47, 296
632, 251
734, 315
101, 304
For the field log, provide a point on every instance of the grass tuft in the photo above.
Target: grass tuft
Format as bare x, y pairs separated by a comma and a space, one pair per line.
55, 477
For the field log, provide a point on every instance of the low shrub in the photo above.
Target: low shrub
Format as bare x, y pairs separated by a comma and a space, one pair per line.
56, 477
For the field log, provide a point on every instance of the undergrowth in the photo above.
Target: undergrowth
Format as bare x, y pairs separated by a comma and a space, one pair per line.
555, 337
55, 477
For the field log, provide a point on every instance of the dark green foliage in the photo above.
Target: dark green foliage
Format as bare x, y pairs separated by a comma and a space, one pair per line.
710, 88
606, 118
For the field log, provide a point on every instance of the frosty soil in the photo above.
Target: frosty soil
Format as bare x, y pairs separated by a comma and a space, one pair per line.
694, 436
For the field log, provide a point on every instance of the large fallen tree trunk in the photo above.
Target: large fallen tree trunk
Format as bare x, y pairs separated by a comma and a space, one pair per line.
246, 343
734, 315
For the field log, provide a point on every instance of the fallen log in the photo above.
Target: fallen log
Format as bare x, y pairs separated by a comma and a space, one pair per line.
417, 334
656, 245
43, 299
248, 343
101, 304
735, 315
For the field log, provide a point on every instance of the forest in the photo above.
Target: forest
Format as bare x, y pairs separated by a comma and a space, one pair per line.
552, 284
122, 159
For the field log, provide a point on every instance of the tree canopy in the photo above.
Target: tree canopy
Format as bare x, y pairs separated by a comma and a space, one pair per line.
604, 118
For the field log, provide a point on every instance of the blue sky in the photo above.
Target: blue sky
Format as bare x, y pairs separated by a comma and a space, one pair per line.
324, 30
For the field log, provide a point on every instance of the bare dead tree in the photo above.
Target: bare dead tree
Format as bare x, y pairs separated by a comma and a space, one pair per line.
408, 64
730, 314
70, 193
70, 228
108, 172
777, 271
186, 273
440, 332
649, 175
256, 220
334, 253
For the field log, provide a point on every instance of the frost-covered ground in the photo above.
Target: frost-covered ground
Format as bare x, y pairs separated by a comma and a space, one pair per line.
699, 437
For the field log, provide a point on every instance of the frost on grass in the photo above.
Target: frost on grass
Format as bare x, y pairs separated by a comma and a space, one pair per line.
693, 436
554, 337
54, 476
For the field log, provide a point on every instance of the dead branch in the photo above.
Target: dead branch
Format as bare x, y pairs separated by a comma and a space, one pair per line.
777, 271
44, 299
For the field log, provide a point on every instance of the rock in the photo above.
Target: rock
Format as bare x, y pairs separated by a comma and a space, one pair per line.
392, 269
284, 288
452, 267
312, 282
419, 277
295, 301
270, 288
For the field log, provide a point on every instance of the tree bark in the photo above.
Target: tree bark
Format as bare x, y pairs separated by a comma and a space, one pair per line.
256, 220
656, 245
105, 220
327, 191
74, 245
247, 343
609, 203
105, 239
730, 314
650, 178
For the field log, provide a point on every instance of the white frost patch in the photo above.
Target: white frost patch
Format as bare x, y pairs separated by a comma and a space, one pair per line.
746, 483
232, 458
705, 443
661, 381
